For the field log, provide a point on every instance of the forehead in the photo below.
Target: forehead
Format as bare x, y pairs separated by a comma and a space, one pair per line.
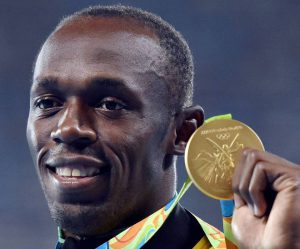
101, 46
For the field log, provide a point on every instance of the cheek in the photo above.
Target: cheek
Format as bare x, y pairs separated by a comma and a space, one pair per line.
31, 136
38, 134
32, 139
135, 135
138, 142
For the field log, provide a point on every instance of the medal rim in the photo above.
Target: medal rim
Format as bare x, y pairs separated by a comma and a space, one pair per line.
236, 122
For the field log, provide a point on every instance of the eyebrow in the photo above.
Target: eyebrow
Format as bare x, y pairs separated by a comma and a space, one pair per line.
47, 84
51, 84
108, 83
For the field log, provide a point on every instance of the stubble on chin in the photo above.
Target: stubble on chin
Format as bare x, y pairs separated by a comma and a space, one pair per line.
85, 219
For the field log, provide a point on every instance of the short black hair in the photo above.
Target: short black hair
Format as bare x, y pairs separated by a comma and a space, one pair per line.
179, 70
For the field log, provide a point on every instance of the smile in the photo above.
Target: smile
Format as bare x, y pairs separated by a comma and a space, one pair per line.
76, 166
77, 172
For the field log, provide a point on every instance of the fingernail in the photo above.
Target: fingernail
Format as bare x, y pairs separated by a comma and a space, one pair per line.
256, 211
238, 202
251, 207
246, 151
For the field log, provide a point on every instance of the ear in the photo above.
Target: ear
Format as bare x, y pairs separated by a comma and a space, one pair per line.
187, 121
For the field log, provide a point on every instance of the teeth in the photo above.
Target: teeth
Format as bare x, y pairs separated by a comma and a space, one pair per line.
79, 172
63, 171
75, 172
82, 173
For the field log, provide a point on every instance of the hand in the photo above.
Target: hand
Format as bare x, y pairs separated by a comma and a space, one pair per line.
267, 202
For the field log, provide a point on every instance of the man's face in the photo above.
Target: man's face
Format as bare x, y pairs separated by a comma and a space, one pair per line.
97, 124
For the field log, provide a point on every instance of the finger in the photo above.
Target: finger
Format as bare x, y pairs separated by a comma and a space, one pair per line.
238, 201
267, 176
257, 187
236, 182
242, 176
271, 158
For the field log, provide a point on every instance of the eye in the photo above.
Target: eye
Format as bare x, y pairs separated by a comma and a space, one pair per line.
111, 104
47, 103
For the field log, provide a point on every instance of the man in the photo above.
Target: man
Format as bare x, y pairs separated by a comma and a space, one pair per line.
110, 111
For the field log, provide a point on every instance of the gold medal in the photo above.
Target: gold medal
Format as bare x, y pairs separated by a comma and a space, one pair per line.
213, 152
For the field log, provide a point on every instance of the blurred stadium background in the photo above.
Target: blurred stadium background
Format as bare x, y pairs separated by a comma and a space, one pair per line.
247, 63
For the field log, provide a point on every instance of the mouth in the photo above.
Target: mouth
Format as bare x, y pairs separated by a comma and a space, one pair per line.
77, 171
77, 174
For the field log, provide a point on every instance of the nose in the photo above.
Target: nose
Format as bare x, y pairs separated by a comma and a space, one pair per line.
74, 126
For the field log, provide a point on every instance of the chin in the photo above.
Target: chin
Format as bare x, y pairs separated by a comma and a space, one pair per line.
84, 219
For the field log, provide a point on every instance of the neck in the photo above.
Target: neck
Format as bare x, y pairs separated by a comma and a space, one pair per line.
141, 230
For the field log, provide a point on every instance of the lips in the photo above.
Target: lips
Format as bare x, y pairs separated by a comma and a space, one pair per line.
77, 173
79, 166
